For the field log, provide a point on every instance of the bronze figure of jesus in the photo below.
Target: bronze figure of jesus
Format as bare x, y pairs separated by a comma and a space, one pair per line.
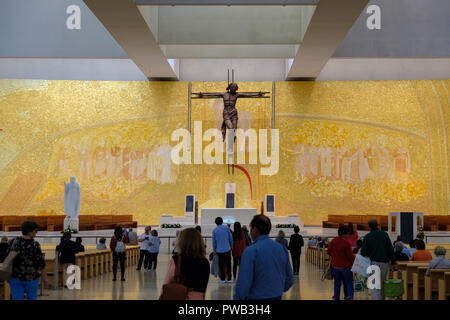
230, 114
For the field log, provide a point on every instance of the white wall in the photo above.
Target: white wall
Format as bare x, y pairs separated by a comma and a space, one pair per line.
216, 69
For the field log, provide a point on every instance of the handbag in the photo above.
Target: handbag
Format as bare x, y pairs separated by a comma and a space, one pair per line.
393, 288
328, 273
6, 268
175, 290
358, 284
120, 246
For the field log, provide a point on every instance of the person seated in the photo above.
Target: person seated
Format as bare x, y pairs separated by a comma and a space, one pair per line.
312, 242
358, 246
412, 247
132, 237
79, 245
101, 244
399, 254
440, 262
3, 248
421, 254
399, 239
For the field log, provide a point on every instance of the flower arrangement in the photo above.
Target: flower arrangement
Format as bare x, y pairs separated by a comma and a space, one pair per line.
420, 234
291, 225
171, 225
69, 229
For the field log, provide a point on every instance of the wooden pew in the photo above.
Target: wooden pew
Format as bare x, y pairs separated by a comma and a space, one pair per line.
418, 275
436, 283
410, 276
55, 223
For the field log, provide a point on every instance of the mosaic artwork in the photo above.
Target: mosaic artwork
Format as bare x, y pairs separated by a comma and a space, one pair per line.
359, 147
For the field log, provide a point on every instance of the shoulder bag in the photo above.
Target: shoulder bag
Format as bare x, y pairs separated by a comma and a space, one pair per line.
7, 267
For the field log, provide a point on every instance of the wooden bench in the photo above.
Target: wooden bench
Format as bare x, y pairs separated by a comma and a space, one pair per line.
436, 284
410, 276
55, 223
12, 223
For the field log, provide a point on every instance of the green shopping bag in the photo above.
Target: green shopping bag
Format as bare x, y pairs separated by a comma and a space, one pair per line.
393, 288
359, 284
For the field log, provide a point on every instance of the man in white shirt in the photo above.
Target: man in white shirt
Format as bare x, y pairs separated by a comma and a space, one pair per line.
144, 239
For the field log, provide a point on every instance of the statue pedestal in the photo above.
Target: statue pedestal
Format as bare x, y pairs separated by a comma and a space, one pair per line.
71, 222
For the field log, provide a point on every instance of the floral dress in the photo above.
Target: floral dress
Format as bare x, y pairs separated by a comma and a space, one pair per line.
30, 260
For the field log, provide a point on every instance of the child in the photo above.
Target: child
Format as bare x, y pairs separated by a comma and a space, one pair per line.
155, 242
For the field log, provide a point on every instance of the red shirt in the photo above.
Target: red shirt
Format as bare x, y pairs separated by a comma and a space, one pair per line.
341, 253
113, 242
239, 246
353, 238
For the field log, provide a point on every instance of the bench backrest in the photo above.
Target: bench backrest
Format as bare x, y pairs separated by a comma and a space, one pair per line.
86, 218
13, 220
123, 218
104, 218
55, 219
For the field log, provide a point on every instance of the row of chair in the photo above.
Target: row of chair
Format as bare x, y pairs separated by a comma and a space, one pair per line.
91, 262
56, 222
417, 286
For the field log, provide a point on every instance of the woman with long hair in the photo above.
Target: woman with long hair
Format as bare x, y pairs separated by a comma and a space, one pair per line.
239, 245
194, 269
117, 245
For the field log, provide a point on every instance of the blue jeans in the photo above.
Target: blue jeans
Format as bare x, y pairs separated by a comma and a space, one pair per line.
346, 276
18, 289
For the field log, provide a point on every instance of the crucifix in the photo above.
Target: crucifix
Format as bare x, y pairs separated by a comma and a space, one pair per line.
230, 114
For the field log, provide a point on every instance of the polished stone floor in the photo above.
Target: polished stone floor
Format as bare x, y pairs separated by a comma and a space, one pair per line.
140, 285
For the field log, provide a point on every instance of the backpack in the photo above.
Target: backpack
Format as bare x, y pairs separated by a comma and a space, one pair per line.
120, 246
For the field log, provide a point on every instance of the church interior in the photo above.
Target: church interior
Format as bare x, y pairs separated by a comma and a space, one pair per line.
122, 114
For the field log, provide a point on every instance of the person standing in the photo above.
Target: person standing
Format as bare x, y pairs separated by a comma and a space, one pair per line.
281, 240
247, 235
295, 247
265, 271
153, 249
28, 265
3, 248
132, 237
67, 250
118, 248
378, 247
175, 242
194, 268
239, 245
144, 254
342, 259
222, 241
80, 247
352, 236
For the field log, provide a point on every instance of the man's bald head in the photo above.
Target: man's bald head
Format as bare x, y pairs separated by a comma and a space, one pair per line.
262, 223
373, 223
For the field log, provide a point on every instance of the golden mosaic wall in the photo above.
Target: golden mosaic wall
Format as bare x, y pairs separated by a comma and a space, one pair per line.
354, 147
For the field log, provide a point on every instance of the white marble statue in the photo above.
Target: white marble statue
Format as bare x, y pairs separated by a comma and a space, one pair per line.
72, 197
